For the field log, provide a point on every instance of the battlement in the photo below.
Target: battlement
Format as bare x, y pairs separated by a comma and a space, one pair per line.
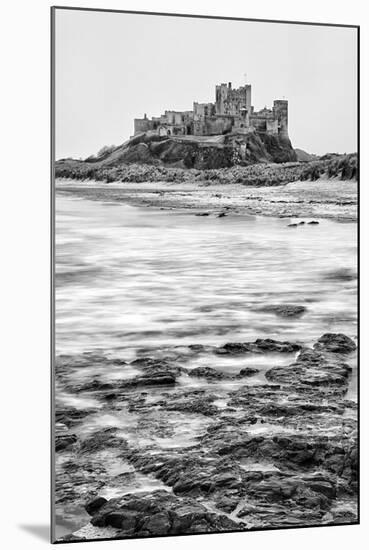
232, 112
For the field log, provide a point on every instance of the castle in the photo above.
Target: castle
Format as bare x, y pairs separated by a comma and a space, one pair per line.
232, 113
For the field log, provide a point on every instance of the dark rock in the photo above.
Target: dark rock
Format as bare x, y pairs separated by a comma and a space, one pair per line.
64, 442
323, 487
102, 439
248, 371
313, 222
157, 372
202, 214
70, 416
222, 215
157, 524
121, 520
160, 513
196, 347
195, 405
343, 275
292, 225
156, 379
234, 348
308, 355
206, 372
285, 310
268, 344
92, 506
337, 343
93, 386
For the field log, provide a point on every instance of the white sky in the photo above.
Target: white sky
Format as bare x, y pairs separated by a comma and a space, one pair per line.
113, 67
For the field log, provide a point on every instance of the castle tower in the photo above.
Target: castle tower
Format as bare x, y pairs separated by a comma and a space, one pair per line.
221, 96
233, 102
247, 88
280, 108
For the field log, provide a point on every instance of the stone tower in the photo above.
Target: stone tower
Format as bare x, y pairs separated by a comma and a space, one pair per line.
229, 101
280, 108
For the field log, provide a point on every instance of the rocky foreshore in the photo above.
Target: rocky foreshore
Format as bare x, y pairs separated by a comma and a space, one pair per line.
165, 447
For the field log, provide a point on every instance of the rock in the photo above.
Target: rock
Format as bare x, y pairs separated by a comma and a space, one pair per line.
202, 214
343, 275
313, 222
92, 506
197, 348
305, 373
156, 372
157, 524
102, 439
234, 348
248, 371
227, 504
157, 379
206, 372
270, 345
160, 513
308, 355
93, 386
64, 442
336, 343
126, 521
222, 215
323, 487
292, 225
196, 405
281, 453
70, 416
284, 310
259, 346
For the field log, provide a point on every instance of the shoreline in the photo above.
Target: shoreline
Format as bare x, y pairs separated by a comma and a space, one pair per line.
323, 199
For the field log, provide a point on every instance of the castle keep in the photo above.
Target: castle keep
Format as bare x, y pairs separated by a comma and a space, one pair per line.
232, 112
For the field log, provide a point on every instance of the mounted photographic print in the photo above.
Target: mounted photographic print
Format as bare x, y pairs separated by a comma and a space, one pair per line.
205, 281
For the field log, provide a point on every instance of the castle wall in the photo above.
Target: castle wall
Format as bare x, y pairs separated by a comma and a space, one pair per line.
213, 125
142, 125
203, 109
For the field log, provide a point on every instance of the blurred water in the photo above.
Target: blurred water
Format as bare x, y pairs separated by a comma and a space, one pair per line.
131, 278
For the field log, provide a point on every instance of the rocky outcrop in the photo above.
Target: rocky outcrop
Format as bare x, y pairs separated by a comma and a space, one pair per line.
227, 452
159, 513
259, 346
191, 152
337, 343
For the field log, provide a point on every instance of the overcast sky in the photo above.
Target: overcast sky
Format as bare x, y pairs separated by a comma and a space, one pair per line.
114, 67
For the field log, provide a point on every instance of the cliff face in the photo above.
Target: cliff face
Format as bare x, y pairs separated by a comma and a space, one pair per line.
200, 152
